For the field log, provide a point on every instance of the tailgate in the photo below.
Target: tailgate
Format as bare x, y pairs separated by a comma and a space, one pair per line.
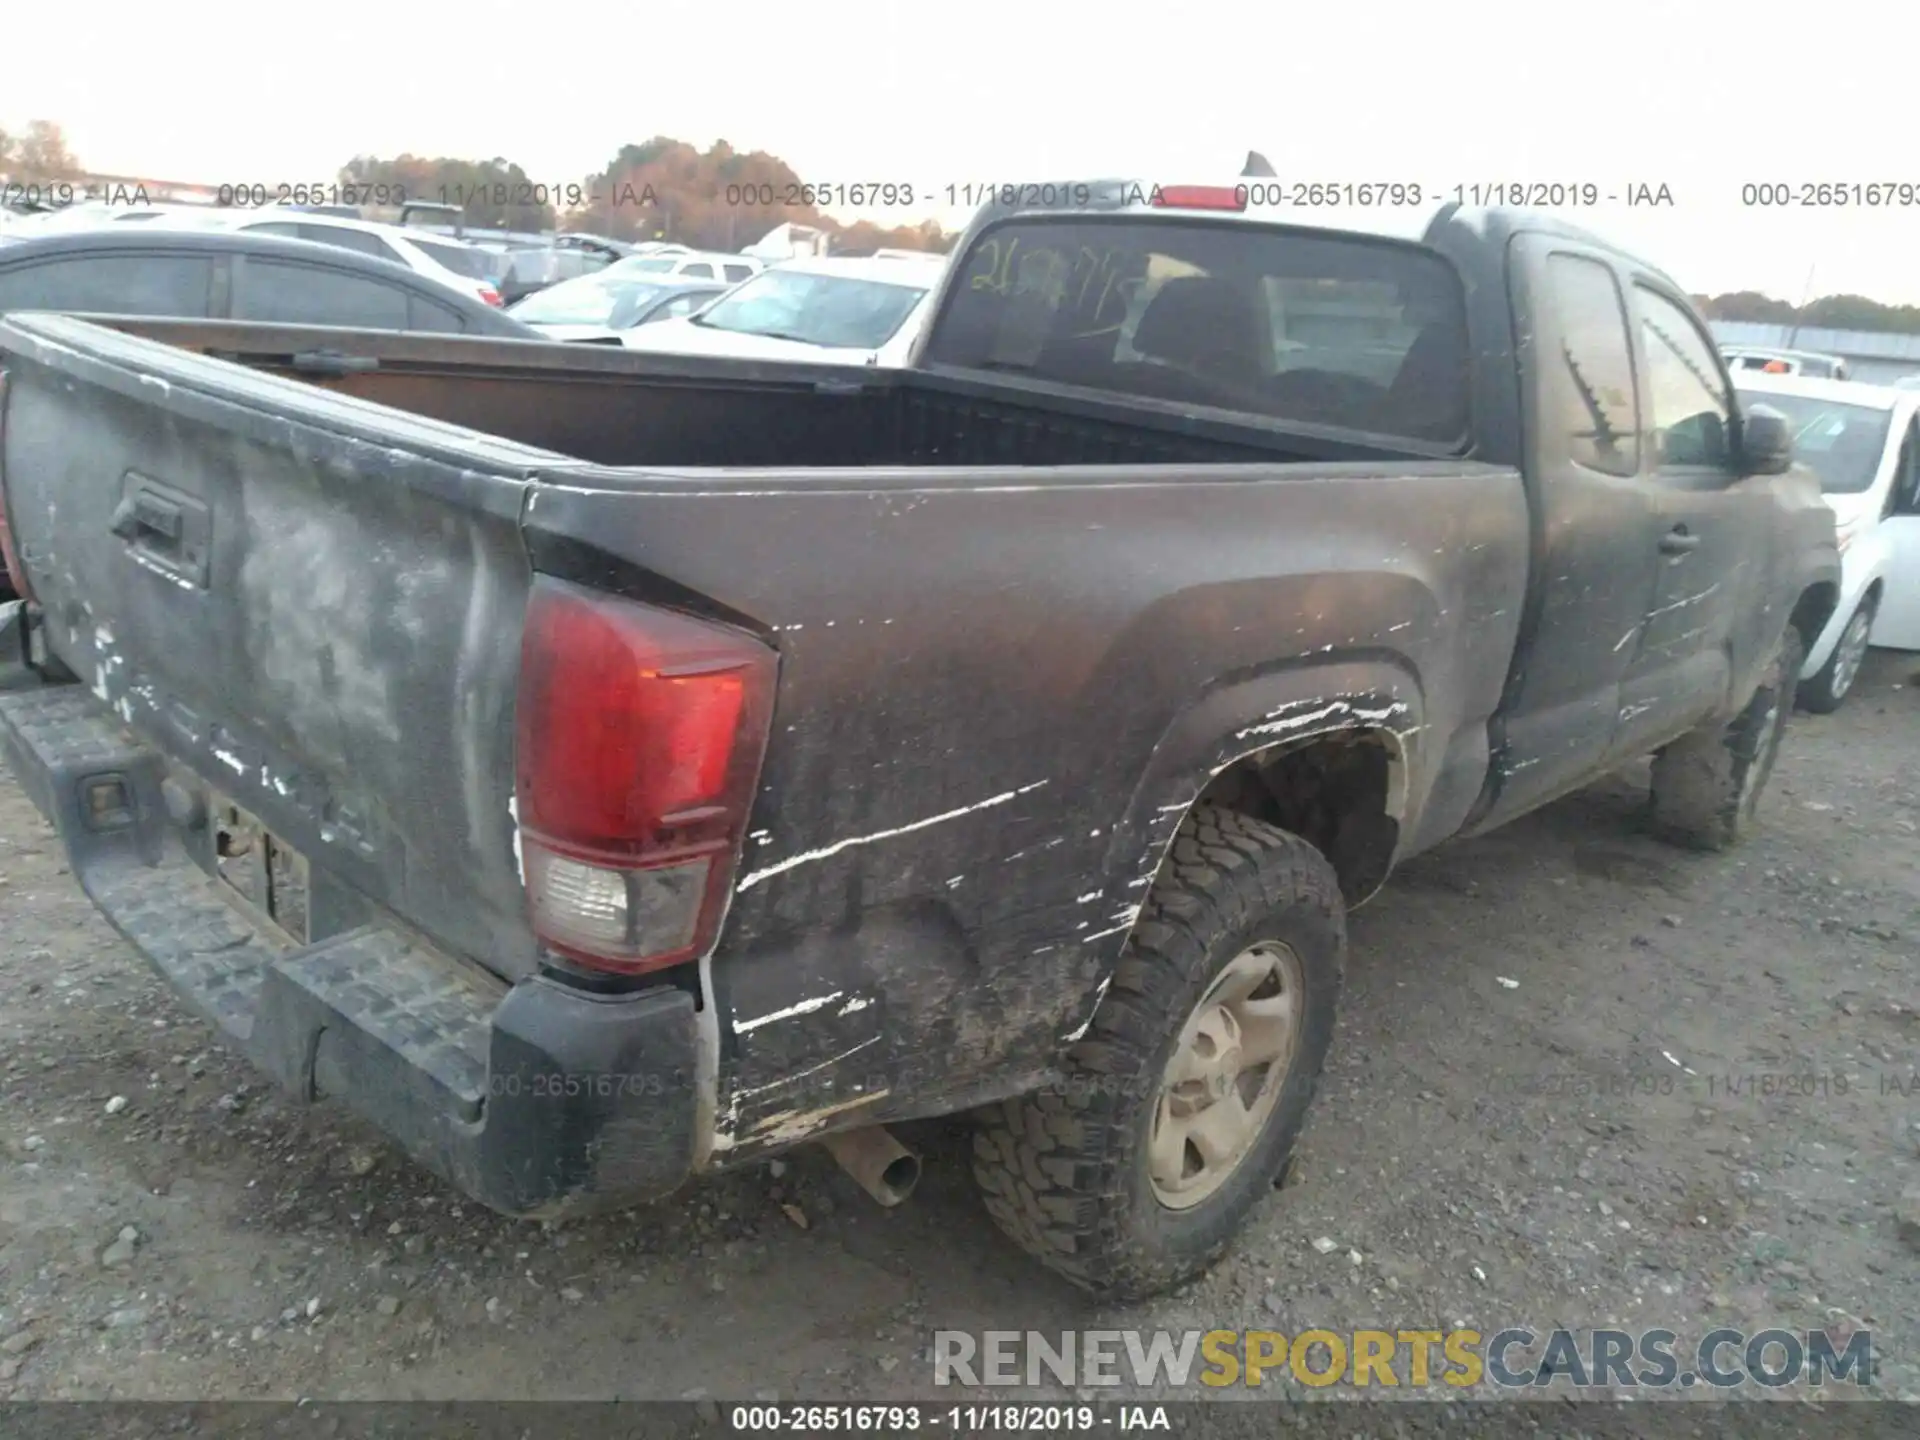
312, 604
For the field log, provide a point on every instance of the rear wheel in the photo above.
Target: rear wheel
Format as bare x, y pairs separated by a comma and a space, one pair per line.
1824, 692
1707, 784
1179, 1107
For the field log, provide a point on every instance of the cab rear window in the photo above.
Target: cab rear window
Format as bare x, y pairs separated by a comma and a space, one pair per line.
1338, 330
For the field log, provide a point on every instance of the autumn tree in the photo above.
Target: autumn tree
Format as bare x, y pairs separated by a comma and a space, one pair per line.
40, 154
494, 194
720, 198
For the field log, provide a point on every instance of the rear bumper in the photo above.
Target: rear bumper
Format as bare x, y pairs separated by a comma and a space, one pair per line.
537, 1099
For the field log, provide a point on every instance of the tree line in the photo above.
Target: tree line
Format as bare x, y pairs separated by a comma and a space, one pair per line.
722, 198
1829, 312
663, 189
38, 155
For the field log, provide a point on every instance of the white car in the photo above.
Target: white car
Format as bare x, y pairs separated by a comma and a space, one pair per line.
834, 311
1864, 443
94, 214
599, 307
688, 265
454, 263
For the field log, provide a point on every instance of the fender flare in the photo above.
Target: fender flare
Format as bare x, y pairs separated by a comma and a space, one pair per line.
1226, 725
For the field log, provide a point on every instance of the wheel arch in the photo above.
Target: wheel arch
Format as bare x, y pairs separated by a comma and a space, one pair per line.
1814, 609
1260, 740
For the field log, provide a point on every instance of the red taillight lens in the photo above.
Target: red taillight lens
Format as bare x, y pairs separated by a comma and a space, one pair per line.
491, 295
640, 734
1200, 197
16, 572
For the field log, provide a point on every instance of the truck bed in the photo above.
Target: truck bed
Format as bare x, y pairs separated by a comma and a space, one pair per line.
621, 408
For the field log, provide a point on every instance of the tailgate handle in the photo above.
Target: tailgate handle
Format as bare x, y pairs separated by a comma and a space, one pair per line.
164, 528
143, 513
1678, 541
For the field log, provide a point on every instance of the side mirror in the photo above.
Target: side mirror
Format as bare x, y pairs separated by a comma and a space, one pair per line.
1766, 444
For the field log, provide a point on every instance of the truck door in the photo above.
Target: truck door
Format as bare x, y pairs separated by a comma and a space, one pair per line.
1711, 528
1594, 527
1897, 626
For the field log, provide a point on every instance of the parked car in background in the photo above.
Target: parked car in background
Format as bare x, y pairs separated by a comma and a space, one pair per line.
690, 265
1743, 359
598, 308
93, 214
530, 265
453, 263
833, 310
600, 245
217, 275
1863, 441
214, 275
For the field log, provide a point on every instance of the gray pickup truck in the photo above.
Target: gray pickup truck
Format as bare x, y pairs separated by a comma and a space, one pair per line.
602, 769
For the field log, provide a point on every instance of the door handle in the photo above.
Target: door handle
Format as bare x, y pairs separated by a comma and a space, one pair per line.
1678, 541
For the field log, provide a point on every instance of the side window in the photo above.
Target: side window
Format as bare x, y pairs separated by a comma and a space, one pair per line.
1904, 496
425, 314
681, 305
1316, 328
1586, 393
736, 273
699, 269
112, 284
1690, 412
342, 238
292, 294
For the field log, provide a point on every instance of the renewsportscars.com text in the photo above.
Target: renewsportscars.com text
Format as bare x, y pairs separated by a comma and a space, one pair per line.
1514, 1358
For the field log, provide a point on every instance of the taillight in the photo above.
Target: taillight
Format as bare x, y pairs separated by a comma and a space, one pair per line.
491, 295
640, 734
1200, 197
16, 572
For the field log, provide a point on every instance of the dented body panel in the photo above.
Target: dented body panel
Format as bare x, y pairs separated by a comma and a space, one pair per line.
981, 752
1020, 632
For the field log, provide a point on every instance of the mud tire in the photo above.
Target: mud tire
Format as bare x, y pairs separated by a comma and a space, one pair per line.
1707, 784
1064, 1171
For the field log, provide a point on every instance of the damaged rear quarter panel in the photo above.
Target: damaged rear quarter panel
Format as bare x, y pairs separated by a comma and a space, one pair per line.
998, 691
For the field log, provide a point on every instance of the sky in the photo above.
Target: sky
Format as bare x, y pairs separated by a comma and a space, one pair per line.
1704, 100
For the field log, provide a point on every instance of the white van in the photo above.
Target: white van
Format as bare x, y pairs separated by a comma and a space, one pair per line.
1864, 443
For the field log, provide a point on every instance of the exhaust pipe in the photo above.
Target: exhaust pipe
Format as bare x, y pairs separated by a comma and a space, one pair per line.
879, 1164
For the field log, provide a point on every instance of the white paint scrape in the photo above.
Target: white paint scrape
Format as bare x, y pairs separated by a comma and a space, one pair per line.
1092, 1010
834, 849
804, 1007
1280, 721
519, 859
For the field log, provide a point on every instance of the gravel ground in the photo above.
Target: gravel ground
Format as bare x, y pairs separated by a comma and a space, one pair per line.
1527, 1120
